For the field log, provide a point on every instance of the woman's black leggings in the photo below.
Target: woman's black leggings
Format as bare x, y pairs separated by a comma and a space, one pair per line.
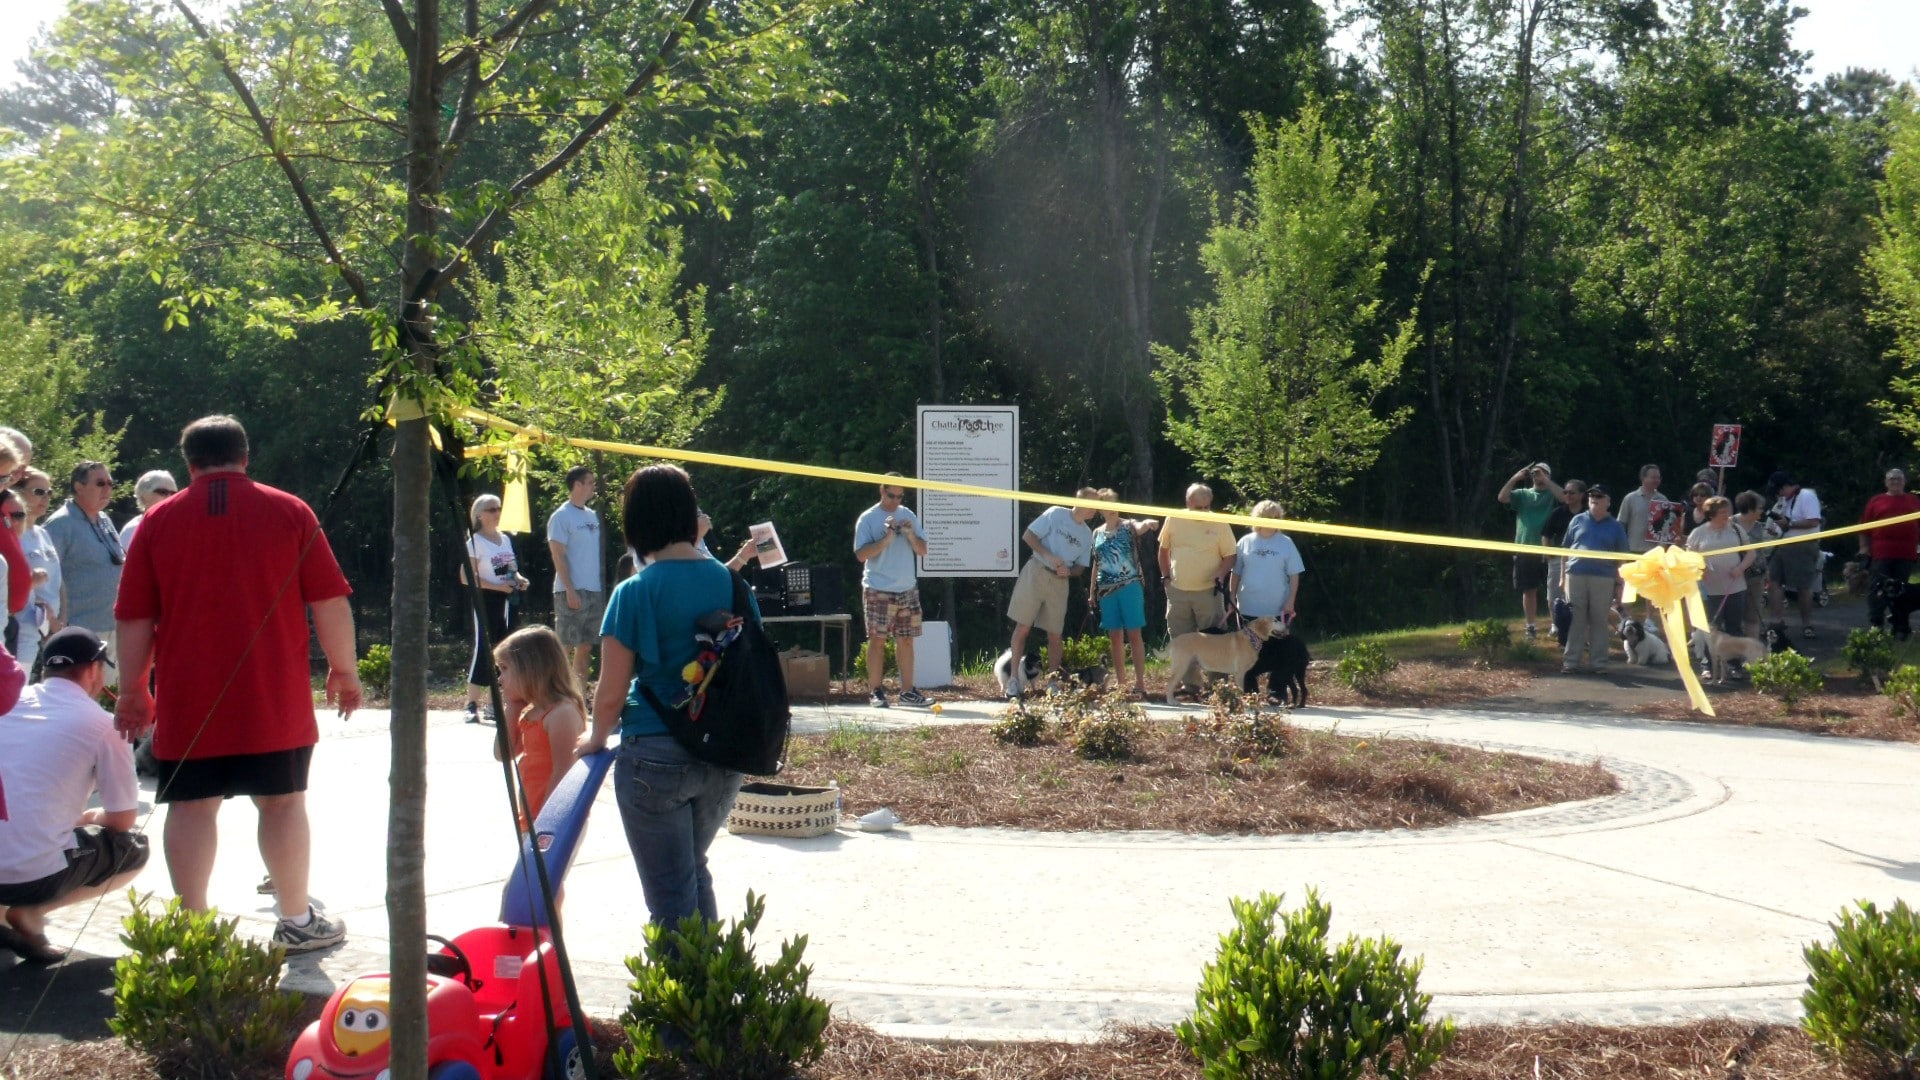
480, 672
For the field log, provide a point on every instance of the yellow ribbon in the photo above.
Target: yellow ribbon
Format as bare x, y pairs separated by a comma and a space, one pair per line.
1669, 577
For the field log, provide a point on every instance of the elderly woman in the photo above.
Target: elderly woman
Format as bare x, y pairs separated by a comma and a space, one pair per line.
1725, 583
671, 803
149, 491
491, 561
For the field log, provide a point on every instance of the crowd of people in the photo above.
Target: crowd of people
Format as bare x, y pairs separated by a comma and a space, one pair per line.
1743, 591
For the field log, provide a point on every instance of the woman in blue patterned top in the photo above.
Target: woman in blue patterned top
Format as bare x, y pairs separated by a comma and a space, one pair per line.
1117, 590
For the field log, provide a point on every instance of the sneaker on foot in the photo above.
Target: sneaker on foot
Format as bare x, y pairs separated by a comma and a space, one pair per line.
265, 888
319, 933
878, 700
473, 713
1532, 631
915, 698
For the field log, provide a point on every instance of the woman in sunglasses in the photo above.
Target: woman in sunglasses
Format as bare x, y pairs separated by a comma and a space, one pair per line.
41, 618
14, 455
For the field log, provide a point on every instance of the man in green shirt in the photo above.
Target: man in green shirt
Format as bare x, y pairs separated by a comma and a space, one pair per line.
1532, 505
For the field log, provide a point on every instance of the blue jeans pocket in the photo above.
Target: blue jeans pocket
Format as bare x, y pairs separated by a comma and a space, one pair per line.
652, 785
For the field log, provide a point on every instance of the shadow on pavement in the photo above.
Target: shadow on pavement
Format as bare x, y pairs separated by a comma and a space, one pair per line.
72, 1000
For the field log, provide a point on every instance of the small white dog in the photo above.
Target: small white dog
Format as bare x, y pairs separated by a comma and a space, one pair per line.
1645, 646
1016, 679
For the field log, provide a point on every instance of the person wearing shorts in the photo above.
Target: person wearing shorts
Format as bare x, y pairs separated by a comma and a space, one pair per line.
1796, 510
1532, 505
579, 597
1119, 589
57, 746
214, 603
1196, 558
1062, 547
886, 538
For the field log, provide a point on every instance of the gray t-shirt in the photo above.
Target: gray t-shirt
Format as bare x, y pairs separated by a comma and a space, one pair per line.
579, 529
1633, 518
892, 569
1064, 538
90, 558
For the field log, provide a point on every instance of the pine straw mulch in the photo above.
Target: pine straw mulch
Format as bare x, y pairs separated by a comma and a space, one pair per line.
1708, 1050
1180, 780
1849, 707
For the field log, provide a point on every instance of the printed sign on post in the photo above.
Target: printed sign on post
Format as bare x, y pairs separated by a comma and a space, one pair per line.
1726, 447
1663, 521
970, 535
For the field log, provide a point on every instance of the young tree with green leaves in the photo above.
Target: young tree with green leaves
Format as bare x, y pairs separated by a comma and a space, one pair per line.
1292, 353
1894, 264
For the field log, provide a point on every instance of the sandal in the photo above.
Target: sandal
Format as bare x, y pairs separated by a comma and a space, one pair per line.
33, 948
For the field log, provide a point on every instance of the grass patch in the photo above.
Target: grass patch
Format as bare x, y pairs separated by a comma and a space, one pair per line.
1179, 782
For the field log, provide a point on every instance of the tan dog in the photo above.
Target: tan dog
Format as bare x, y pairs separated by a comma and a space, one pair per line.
1722, 647
1231, 653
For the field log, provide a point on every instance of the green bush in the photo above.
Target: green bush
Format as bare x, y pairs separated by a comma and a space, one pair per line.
1489, 637
376, 670
1091, 650
1240, 728
1903, 686
1862, 1000
891, 656
1365, 666
1020, 726
1278, 1002
1788, 676
1870, 652
735, 1018
1106, 734
202, 999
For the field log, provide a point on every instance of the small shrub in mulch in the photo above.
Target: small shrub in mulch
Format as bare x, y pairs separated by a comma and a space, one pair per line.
1182, 780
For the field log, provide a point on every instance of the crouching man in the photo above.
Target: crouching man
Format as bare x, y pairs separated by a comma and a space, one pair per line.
56, 746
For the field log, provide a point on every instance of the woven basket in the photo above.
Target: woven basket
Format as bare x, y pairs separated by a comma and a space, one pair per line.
768, 809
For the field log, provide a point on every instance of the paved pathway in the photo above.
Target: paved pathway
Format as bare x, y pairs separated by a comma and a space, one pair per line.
1691, 892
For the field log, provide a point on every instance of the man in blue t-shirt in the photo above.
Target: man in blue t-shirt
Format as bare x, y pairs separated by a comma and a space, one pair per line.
1062, 548
579, 596
885, 540
1592, 584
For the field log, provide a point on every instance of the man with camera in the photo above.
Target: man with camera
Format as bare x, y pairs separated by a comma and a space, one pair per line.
1532, 506
886, 539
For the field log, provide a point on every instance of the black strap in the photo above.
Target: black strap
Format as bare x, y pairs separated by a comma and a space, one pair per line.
742, 606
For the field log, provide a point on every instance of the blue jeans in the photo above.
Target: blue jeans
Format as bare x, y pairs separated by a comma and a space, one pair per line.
672, 805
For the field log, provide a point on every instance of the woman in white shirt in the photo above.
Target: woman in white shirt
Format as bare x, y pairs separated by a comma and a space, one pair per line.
42, 615
491, 561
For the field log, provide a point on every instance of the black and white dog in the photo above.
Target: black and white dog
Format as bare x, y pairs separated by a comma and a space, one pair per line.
1016, 679
1901, 600
1645, 646
1283, 659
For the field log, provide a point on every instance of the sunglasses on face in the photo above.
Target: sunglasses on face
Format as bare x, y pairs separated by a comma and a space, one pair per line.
41, 492
102, 482
16, 515
896, 496
163, 491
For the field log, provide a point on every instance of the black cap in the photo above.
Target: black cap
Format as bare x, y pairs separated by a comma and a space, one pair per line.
1781, 478
1598, 489
76, 646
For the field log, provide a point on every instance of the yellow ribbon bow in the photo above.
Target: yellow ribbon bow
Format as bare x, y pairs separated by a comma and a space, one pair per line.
1670, 578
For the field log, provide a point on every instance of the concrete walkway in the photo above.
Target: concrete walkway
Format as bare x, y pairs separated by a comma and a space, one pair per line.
1689, 893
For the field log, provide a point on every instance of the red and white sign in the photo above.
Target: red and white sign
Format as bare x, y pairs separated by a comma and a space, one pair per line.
1726, 447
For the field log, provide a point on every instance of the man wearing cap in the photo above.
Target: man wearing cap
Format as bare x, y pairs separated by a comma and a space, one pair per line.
1796, 510
147, 491
1591, 584
57, 745
1890, 551
1062, 547
1532, 506
215, 601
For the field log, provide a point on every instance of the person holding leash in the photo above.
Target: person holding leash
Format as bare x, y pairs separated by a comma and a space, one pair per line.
1196, 557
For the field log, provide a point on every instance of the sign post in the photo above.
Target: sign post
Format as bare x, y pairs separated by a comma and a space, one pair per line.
970, 535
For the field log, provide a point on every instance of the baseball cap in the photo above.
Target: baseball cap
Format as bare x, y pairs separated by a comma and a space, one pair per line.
1781, 478
1598, 489
73, 647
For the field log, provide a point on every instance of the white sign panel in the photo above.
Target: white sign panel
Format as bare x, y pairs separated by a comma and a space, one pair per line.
970, 535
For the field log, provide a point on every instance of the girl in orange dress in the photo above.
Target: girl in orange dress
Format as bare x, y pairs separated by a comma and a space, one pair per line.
548, 712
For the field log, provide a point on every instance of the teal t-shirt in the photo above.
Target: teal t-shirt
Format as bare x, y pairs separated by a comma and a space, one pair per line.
653, 613
1531, 509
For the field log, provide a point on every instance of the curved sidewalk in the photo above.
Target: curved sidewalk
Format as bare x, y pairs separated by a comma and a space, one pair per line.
1689, 893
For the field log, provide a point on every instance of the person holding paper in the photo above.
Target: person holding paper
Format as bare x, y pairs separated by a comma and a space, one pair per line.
886, 539
1062, 547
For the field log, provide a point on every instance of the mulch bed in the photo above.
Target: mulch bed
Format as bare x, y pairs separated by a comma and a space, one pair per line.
1848, 707
963, 776
1709, 1049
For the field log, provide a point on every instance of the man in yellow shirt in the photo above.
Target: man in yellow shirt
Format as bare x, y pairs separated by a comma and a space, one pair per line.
1195, 557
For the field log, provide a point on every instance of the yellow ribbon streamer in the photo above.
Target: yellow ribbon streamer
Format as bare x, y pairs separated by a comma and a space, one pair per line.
1669, 577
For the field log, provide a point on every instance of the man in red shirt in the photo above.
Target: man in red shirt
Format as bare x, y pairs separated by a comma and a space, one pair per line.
214, 597
1891, 550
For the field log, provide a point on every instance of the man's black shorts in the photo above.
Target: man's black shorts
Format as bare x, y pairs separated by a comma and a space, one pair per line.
97, 855
282, 772
1529, 572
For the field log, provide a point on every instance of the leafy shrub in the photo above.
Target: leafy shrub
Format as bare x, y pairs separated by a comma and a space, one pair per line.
1240, 728
1862, 1000
1870, 652
1020, 726
202, 999
1365, 666
1091, 650
376, 670
1488, 636
1903, 686
1277, 1002
1527, 652
1106, 734
731, 1017
1788, 676
891, 657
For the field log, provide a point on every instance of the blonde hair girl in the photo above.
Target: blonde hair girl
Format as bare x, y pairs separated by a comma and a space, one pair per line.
547, 709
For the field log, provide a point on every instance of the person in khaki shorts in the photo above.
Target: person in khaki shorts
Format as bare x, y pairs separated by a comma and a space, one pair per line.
1062, 547
1195, 559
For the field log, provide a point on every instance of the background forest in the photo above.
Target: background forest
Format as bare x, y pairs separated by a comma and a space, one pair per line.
1188, 237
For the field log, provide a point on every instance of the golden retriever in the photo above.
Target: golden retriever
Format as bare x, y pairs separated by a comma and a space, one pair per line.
1230, 653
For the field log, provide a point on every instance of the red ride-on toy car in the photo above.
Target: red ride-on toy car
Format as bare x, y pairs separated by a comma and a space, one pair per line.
489, 990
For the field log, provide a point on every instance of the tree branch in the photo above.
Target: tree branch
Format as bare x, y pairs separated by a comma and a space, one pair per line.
471, 52
515, 195
402, 28
294, 179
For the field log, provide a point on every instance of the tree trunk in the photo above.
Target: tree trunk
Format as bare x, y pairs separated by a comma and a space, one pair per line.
1132, 257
